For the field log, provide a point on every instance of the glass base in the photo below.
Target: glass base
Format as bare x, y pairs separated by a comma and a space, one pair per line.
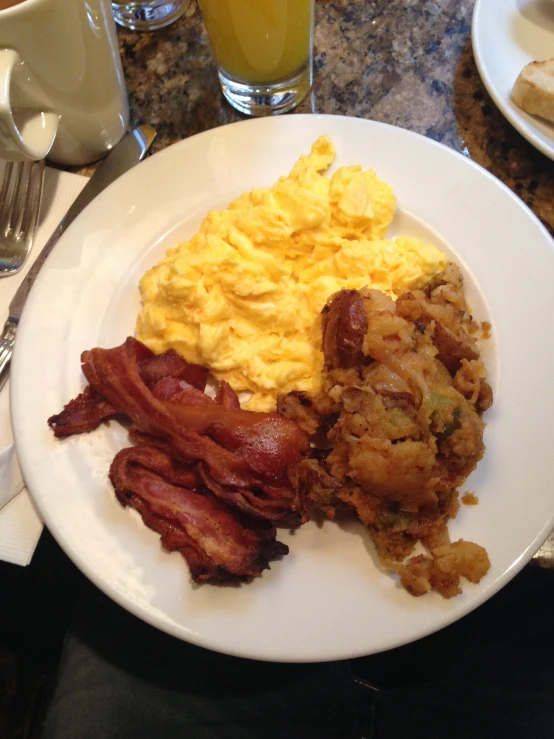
148, 15
267, 99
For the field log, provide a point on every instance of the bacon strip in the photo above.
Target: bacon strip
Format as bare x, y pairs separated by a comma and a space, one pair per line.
160, 462
175, 390
266, 441
245, 455
226, 396
169, 364
89, 409
242, 449
269, 503
216, 544
84, 413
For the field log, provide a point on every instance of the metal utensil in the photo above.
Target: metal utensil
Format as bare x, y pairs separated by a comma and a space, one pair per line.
130, 151
20, 198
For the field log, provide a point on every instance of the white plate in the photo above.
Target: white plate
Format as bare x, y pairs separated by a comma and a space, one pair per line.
327, 599
507, 35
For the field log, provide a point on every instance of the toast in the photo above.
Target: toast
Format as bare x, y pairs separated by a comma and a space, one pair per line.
533, 90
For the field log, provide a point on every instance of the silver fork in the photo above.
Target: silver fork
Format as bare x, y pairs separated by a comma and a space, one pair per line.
20, 197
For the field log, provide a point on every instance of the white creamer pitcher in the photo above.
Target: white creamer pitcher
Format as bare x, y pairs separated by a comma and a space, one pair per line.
62, 93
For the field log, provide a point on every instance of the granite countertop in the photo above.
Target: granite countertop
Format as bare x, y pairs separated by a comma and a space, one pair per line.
405, 62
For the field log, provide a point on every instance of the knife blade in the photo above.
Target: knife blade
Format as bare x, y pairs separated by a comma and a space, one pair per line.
132, 148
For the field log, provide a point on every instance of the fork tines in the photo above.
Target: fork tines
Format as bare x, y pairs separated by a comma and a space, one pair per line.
20, 196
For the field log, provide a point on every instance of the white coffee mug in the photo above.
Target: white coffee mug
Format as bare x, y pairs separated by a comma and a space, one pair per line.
62, 93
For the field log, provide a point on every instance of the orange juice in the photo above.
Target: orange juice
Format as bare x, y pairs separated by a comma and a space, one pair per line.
259, 41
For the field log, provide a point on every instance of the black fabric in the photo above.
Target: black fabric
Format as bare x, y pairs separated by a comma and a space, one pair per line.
492, 673
121, 678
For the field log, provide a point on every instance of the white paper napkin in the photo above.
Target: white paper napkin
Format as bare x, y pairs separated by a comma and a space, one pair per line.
20, 525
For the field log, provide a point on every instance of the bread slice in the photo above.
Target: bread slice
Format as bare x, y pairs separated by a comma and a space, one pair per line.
533, 90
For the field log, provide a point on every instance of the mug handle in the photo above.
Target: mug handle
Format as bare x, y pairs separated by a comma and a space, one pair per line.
32, 134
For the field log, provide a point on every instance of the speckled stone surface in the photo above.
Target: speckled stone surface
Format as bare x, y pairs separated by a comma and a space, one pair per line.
405, 62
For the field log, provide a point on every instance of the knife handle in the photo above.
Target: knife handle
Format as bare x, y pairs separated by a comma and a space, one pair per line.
132, 149
7, 341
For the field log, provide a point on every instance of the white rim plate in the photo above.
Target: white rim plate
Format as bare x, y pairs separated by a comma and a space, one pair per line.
326, 599
507, 35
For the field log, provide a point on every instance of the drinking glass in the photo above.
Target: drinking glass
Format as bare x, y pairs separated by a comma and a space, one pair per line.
263, 50
148, 15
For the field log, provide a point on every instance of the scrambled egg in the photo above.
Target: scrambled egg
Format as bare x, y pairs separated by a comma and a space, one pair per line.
243, 296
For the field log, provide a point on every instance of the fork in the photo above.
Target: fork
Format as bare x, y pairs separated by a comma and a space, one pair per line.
20, 197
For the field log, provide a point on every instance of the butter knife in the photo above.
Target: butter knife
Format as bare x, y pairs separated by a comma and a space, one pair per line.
132, 148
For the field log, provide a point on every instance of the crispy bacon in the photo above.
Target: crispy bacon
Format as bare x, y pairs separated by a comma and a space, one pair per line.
169, 364
179, 391
162, 463
244, 455
265, 441
271, 503
139, 438
168, 375
214, 541
251, 447
84, 413
226, 396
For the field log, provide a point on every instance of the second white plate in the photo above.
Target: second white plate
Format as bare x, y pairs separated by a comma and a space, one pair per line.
507, 35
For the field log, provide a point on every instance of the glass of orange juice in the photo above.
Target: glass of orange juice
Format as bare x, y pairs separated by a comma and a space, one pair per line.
263, 50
